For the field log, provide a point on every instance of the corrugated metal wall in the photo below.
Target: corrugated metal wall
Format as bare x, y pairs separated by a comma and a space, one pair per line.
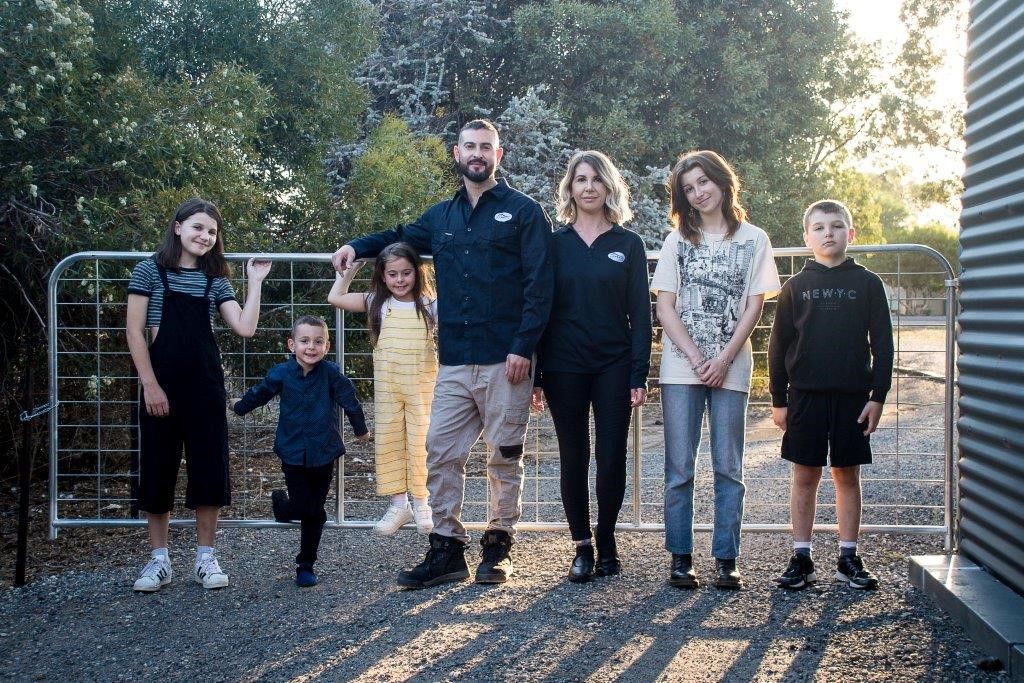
991, 336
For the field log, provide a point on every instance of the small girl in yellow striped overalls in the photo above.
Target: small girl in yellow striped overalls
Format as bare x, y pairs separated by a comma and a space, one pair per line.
401, 316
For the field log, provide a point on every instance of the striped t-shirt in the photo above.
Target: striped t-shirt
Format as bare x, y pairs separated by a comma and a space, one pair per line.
145, 281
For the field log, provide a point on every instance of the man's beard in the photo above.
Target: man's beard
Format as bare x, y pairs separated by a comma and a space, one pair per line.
475, 176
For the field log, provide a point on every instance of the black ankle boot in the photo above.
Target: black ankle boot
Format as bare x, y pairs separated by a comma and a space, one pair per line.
682, 574
496, 560
445, 561
607, 559
729, 577
582, 569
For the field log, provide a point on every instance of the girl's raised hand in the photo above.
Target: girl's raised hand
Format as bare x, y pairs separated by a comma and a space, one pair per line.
258, 269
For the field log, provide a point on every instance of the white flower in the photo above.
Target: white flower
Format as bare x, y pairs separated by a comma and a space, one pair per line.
18, 133
49, 78
119, 164
33, 70
95, 122
78, 203
33, 190
124, 201
29, 28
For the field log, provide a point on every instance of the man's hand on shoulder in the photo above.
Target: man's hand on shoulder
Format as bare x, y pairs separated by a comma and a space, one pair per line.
517, 368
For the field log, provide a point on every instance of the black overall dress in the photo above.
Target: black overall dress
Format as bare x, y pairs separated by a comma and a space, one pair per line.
186, 362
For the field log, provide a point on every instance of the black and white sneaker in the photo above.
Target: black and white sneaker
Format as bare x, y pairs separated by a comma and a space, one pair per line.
851, 570
799, 574
155, 575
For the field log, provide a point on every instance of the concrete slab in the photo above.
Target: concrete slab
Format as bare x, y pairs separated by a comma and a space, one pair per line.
991, 613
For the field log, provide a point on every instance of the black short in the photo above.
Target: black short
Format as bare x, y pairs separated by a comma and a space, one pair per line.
197, 423
822, 427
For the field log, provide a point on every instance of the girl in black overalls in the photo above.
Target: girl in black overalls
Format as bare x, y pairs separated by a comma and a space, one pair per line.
183, 399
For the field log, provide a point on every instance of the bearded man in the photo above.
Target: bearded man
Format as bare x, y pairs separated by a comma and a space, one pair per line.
491, 249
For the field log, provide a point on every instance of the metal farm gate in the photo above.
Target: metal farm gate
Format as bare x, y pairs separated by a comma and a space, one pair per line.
93, 430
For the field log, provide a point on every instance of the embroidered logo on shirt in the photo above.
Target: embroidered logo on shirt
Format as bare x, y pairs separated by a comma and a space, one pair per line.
503, 217
617, 256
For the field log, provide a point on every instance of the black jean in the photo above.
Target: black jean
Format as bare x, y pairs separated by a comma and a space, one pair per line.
570, 396
307, 493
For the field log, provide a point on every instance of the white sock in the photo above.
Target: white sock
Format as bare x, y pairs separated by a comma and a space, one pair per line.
161, 554
419, 503
847, 548
203, 550
399, 500
802, 547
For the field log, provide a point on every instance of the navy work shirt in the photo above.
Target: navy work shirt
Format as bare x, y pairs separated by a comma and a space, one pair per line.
493, 271
307, 429
601, 317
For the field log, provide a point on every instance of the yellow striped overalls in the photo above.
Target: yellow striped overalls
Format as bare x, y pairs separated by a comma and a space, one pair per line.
404, 371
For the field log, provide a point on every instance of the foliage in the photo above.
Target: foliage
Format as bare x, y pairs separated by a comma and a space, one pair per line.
113, 112
394, 177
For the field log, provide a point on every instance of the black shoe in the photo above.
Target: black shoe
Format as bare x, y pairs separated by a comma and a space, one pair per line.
607, 559
582, 569
305, 577
682, 574
799, 574
851, 570
729, 578
445, 561
278, 502
496, 564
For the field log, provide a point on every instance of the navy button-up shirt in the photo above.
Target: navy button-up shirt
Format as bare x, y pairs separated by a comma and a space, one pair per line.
492, 265
307, 429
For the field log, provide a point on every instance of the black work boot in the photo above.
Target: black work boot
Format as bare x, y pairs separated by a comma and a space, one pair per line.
607, 558
445, 561
495, 565
682, 574
582, 569
729, 577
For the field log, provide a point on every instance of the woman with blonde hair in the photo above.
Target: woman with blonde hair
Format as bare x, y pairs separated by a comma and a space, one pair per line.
713, 275
595, 353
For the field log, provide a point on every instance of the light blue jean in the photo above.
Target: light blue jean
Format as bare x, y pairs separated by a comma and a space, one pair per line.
683, 406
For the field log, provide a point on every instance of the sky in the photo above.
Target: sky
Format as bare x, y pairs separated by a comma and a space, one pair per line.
878, 20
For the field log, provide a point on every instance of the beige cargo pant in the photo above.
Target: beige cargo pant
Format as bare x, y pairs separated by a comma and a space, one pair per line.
470, 400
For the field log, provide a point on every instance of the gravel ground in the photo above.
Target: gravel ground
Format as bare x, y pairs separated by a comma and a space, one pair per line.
87, 624
79, 619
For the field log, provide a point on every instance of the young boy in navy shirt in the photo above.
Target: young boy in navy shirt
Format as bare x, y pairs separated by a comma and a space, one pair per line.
308, 440
830, 366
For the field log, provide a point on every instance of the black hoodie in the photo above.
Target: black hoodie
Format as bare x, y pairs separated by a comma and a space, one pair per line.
832, 332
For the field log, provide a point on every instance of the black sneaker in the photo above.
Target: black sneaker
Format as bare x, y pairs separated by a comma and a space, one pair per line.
682, 574
799, 574
851, 570
445, 561
496, 564
279, 501
582, 569
729, 578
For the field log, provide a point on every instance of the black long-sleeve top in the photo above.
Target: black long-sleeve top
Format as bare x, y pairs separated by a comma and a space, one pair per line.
601, 316
492, 265
832, 332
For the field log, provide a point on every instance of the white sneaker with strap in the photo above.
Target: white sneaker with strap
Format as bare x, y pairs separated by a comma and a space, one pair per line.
424, 518
393, 520
155, 575
208, 572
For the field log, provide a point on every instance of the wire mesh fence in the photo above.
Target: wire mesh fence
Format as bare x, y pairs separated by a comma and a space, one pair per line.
94, 440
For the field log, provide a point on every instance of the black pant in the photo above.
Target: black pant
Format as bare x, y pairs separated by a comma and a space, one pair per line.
307, 493
570, 396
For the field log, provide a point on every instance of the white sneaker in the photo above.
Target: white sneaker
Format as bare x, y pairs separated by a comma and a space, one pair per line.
393, 520
424, 518
155, 575
208, 572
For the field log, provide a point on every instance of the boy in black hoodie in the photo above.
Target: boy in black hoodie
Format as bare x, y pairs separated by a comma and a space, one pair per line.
830, 366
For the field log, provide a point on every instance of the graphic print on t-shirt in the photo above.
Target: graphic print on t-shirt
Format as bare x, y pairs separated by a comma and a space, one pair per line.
712, 279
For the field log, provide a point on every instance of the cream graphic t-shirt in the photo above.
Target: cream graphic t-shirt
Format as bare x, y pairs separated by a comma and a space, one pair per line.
712, 281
